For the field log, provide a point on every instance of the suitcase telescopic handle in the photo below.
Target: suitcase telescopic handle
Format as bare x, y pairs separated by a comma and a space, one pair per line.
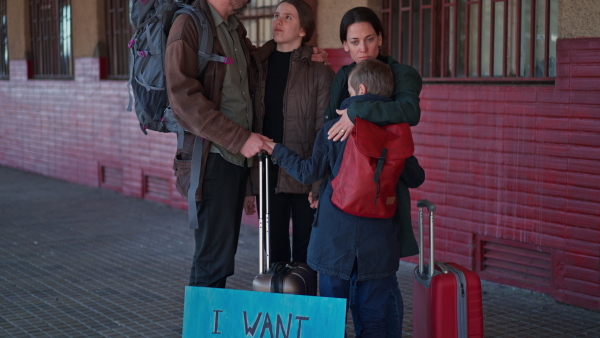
426, 204
263, 218
431, 208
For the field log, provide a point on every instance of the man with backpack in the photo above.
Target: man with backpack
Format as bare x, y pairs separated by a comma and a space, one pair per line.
216, 106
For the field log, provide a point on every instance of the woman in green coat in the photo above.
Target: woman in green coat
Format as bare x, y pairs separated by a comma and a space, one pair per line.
361, 34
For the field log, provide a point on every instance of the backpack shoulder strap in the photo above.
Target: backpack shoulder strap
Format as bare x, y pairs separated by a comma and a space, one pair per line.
194, 183
205, 41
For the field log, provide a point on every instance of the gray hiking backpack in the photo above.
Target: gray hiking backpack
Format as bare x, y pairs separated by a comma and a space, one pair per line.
152, 20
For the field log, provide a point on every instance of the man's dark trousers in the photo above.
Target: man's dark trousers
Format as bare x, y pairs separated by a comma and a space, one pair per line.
219, 220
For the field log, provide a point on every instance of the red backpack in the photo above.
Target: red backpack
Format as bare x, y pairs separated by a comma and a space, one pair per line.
372, 163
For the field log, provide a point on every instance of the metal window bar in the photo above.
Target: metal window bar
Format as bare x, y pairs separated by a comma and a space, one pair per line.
4, 71
467, 46
532, 39
408, 10
386, 21
118, 33
455, 35
257, 20
518, 40
547, 44
479, 37
449, 50
431, 57
444, 43
505, 41
453, 18
449, 40
51, 39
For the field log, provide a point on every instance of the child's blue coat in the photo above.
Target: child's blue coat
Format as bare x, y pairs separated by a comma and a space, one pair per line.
339, 238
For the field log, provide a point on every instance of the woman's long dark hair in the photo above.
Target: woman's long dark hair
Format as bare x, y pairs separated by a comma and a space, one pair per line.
360, 14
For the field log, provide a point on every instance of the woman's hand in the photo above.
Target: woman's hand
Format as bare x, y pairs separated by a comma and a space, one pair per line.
342, 128
249, 206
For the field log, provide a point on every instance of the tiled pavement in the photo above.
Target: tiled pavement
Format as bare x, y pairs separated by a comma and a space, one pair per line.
77, 261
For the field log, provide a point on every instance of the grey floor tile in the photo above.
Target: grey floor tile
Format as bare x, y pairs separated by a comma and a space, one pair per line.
87, 262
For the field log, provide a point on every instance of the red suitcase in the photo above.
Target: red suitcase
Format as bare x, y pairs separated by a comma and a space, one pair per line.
446, 299
281, 277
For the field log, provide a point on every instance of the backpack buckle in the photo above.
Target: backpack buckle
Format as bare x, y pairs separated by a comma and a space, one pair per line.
228, 61
131, 42
142, 53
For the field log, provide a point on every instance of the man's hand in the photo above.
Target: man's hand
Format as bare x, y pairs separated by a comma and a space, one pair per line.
320, 55
249, 206
254, 144
314, 203
342, 128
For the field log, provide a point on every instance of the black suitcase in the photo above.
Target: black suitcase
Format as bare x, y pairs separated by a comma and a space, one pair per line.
281, 277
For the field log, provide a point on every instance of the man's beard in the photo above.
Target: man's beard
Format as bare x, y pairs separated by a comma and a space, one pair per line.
240, 11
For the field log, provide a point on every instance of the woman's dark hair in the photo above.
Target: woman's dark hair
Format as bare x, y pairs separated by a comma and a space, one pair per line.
360, 14
306, 16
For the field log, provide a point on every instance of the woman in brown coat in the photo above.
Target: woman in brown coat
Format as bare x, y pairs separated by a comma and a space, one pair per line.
290, 99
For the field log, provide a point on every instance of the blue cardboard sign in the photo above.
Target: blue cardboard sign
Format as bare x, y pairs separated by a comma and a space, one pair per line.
212, 312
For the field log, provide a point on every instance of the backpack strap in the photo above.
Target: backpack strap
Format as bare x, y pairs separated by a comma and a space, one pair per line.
378, 169
205, 46
131, 62
194, 182
130, 105
180, 133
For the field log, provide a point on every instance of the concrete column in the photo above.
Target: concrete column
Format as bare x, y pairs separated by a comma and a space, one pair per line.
329, 16
578, 19
88, 27
18, 30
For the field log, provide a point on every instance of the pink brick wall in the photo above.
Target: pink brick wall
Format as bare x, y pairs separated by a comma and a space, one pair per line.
512, 166
519, 164
69, 129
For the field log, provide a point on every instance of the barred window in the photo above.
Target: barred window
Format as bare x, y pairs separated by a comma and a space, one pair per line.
258, 18
118, 34
474, 40
3, 41
51, 39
